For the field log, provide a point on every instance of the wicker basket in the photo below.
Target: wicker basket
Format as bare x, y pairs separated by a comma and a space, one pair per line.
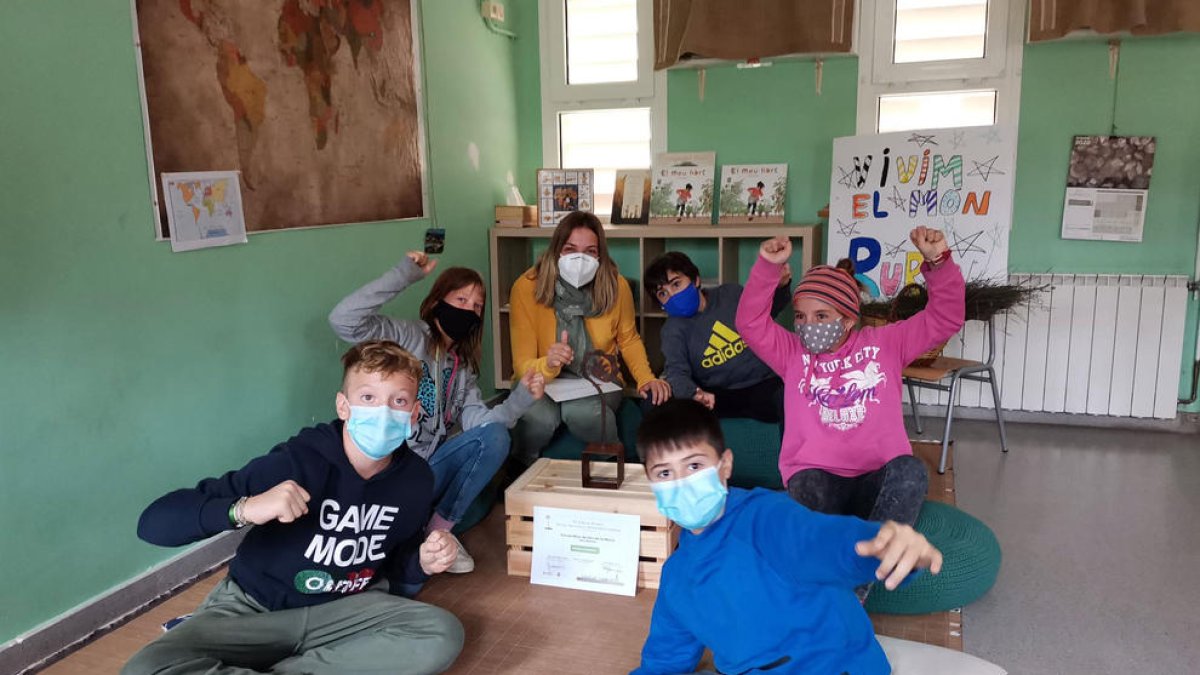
910, 290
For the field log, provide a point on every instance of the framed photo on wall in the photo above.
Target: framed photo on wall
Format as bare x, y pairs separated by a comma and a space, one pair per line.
561, 191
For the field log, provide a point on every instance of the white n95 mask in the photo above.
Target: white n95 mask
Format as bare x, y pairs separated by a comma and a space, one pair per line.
577, 269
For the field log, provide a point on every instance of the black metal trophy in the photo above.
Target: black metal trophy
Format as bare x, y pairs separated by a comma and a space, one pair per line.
600, 367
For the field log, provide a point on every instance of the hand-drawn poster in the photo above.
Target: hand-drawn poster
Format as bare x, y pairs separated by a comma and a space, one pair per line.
959, 181
1108, 184
315, 103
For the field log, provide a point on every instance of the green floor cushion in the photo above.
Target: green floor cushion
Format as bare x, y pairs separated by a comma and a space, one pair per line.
971, 561
755, 448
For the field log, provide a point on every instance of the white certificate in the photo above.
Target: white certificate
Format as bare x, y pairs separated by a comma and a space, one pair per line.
586, 550
571, 388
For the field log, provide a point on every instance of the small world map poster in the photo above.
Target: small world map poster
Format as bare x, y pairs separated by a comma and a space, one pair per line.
204, 209
314, 103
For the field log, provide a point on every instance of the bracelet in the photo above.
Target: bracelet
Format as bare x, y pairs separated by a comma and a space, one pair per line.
235, 514
942, 257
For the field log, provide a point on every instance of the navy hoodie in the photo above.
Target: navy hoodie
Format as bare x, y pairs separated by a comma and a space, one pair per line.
768, 587
355, 528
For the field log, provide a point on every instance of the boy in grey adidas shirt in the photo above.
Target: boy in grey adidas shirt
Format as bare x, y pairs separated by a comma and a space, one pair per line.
706, 359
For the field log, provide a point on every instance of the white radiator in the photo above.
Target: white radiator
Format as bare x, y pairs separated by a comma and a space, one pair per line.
1093, 344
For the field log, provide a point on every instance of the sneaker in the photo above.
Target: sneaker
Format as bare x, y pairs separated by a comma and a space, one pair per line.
463, 562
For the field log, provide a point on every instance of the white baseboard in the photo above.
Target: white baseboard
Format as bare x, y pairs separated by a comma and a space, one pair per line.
35, 648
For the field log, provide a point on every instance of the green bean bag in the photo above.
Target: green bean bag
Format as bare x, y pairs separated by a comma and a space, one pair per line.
971, 561
755, 448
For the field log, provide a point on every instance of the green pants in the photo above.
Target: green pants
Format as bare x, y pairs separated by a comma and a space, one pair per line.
368, 632
582, 417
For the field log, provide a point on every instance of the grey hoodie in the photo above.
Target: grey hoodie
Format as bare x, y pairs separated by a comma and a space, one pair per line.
356, 319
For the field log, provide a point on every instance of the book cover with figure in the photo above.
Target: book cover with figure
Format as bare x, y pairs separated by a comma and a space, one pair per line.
631, 197
753, 193
561, 191
683, 188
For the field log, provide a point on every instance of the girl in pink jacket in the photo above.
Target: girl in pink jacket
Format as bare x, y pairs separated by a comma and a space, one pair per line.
845, 450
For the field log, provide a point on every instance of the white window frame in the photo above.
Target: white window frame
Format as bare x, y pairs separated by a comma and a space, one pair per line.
648, 91
999, 69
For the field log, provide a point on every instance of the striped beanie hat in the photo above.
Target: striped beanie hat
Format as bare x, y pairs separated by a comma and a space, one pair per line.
831, 286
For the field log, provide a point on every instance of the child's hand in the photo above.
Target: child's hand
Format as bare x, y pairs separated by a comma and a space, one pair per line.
930, 242
423, 261
284, 502
560, 353
437, 552
658, 391
704, 398
776, 250
785, 274
902, 549
535, 383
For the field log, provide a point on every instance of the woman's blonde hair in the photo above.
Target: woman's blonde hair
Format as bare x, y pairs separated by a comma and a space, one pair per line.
545, 270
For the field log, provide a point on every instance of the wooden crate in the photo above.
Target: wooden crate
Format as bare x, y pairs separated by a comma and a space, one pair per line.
557, 483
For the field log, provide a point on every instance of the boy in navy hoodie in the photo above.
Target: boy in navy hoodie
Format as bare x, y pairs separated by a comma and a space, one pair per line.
760, 580
339, 511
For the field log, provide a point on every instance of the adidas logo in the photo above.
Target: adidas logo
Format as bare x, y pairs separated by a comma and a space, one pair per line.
723, 345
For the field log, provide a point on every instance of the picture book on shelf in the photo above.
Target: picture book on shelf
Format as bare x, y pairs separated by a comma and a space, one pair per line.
561, 191
631, 198
683, 188
753, 193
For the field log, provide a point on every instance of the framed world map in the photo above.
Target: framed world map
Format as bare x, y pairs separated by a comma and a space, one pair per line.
315, 102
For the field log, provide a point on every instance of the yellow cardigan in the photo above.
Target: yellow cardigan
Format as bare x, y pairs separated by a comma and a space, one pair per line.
534, 329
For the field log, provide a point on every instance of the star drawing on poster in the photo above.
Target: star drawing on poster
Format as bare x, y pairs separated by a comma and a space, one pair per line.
965, 245
895, 249
985, 169
847, 229
957, 138
896, 200
847, 178
923, 139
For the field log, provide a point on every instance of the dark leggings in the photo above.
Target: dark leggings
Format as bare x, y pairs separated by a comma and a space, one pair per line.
894, 492
762, 401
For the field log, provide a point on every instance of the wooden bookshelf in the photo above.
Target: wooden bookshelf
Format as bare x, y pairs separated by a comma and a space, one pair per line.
512, 253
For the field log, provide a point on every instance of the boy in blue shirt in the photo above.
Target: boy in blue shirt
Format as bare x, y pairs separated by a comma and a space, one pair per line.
760, 580
339, 513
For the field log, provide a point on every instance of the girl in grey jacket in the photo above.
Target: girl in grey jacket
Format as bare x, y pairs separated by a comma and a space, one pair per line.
448, 339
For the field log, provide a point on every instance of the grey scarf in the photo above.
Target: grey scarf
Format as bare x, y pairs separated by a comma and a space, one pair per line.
571, 306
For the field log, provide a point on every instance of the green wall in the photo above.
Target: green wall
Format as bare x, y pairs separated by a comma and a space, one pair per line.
126, 370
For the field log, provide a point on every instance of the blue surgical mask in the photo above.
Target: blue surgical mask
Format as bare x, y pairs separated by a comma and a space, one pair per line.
378, 430
684, 303
693, 502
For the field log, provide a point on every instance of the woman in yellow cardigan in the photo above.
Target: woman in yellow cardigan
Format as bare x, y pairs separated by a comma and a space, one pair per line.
572, 301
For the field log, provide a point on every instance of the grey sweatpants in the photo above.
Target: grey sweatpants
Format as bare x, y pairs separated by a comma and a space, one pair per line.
368, 632
582, 417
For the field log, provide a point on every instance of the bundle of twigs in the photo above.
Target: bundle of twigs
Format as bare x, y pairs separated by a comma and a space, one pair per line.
984, 299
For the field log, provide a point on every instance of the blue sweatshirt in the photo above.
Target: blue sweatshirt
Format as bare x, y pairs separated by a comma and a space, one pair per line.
355, 528
768, 583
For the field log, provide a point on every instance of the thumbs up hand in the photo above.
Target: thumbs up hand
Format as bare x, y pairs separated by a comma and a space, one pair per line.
560, 353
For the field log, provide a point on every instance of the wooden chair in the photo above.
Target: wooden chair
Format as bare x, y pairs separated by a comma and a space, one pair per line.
933, 377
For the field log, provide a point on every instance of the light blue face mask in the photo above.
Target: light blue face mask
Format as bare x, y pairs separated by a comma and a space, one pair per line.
378, 430
693, 502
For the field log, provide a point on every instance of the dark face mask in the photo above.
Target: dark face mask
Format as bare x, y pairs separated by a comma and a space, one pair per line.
457, 324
